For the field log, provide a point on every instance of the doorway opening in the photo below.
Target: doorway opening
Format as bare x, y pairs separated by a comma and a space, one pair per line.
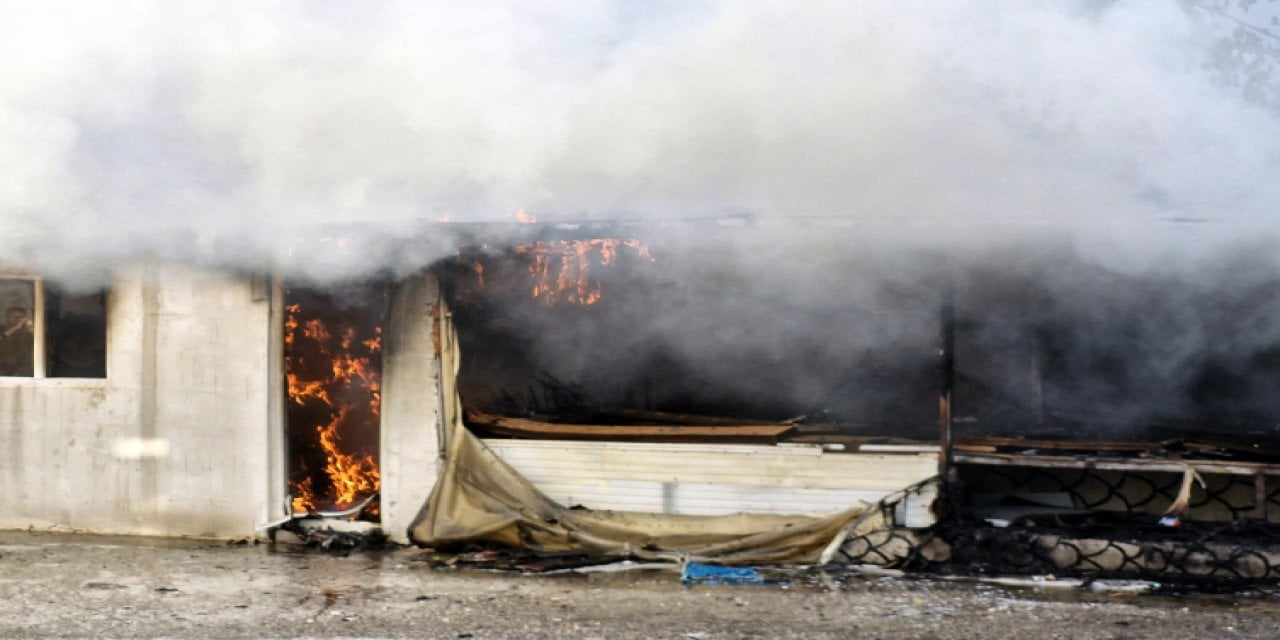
333, 380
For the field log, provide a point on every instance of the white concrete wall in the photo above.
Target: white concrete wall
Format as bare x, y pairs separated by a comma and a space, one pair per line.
187, 366
410, 404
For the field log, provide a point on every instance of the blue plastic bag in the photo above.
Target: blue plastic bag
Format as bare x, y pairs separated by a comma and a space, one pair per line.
699, 573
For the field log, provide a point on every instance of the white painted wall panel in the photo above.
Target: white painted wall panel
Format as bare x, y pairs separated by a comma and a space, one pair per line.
705, 479
187, 354
410, 433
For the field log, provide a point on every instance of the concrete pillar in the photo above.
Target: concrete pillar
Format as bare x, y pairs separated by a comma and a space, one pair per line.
410, 403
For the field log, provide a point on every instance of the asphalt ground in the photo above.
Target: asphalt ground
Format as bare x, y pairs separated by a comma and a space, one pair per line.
71, 585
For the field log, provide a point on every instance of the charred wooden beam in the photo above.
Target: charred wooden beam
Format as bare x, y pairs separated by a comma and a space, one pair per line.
1259, 496
1113, 464
994, 443
522, 428
664, 417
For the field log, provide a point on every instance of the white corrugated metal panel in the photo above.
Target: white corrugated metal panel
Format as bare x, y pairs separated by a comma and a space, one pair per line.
708, 479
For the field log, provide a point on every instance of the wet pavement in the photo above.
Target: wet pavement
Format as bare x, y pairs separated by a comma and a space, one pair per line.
63, 585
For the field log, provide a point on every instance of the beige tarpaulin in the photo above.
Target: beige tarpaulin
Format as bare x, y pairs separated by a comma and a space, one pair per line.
479, 497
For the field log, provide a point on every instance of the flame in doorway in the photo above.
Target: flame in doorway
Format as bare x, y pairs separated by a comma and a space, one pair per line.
334, 386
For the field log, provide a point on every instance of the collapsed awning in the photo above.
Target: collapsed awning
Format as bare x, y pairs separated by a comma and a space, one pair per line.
478, 497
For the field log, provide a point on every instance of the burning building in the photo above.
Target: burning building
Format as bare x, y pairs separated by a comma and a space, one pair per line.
600, 389
803, 259
209, 402
219, 403
568, 372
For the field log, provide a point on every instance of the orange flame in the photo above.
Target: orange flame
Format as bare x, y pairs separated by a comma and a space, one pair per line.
290, 325
374, 344
300, 391
525, 218
304, 499
350, 376
569, 281
351, 476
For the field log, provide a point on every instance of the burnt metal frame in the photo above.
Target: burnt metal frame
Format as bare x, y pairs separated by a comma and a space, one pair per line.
947, 369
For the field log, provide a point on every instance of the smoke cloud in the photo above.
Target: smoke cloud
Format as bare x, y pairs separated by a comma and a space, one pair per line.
145, 126
1050, 159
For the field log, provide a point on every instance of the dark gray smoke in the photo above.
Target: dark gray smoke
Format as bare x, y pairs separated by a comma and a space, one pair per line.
845, 328
1057, 342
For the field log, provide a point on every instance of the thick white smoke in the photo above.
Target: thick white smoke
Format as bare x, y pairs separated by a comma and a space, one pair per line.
1097, 179
169, 127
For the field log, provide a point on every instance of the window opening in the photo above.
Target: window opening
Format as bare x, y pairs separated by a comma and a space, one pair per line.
17, 339
51, 332
75, 333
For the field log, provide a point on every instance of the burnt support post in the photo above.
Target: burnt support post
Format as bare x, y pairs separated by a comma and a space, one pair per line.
1259, 496
947, 370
